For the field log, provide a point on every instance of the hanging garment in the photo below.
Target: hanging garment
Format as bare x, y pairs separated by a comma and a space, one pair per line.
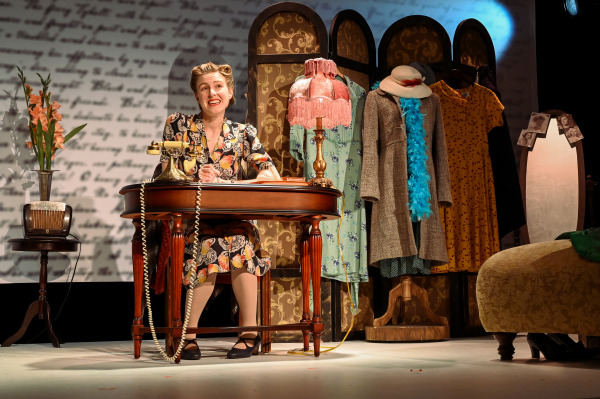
342, 154
471, 224
385, 180
509, 201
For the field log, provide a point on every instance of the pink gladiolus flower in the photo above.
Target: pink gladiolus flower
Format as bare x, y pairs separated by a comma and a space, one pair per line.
59, 141
58, 129
33, 99
44, 116
37, 112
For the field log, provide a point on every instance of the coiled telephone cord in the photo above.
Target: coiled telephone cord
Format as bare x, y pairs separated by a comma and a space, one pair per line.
190, 293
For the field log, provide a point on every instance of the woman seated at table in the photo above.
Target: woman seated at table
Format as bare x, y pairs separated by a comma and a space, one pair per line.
223, 245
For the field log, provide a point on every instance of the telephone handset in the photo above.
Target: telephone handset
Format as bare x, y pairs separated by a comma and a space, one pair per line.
171, 173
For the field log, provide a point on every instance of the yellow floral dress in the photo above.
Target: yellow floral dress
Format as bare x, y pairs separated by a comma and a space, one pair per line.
471, 223
223, 244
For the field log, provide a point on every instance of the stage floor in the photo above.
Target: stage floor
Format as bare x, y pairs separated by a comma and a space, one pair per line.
457, 368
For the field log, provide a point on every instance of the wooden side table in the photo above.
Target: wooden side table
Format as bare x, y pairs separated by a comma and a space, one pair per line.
40, 307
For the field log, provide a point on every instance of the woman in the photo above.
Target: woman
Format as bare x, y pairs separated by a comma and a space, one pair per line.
223, 246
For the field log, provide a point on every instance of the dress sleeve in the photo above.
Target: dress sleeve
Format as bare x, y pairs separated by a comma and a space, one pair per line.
254, 152
494, 110
369, 188
297, 133
440, 155
172, 131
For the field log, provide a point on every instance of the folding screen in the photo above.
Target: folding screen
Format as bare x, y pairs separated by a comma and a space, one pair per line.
281, 38
352, 47
472, 45
415, 38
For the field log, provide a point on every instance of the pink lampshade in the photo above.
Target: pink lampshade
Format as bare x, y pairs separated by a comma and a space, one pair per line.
319, 95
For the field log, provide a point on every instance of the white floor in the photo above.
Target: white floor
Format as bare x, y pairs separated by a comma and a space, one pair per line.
458, 368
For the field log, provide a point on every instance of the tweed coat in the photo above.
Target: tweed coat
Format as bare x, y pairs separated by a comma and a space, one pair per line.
384, 179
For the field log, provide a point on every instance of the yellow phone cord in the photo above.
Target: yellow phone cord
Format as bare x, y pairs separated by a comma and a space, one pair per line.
331, 348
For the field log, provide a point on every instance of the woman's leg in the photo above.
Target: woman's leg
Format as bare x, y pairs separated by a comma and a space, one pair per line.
201, 295
245, 289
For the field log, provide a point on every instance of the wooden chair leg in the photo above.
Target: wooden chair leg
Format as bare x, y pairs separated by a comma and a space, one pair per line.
265, 310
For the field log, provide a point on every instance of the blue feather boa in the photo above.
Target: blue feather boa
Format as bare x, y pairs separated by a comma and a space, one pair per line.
416, 151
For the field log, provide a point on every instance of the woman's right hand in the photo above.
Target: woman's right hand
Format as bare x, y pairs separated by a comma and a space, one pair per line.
208, 174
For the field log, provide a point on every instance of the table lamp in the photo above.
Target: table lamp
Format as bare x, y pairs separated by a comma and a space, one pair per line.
318, 101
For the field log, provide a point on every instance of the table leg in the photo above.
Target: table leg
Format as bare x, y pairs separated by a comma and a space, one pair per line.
51, 334
316, 252
174, 311
44, 308
138, 279
41, 308
305, 269
32, 311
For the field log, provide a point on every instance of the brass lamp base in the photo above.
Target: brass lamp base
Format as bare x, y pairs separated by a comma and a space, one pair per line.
319, 165
320, 181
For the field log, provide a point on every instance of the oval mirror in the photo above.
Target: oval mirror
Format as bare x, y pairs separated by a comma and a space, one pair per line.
552, 176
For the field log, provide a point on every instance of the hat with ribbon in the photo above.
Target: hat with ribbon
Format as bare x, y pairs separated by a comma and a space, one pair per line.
405, 81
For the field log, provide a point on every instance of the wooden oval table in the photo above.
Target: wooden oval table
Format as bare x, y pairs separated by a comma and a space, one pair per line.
281, 201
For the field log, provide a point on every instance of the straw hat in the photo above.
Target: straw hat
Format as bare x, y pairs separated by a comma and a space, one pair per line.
405, 81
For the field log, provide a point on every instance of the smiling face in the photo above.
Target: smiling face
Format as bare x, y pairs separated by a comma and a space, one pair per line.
212, 94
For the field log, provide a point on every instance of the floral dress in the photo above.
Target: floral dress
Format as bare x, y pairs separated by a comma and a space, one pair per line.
223, 244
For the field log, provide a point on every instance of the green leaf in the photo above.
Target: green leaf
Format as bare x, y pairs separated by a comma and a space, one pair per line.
74, 132
49, 139
39, 140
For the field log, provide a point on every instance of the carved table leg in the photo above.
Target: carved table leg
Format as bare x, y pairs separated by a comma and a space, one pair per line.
306, 270
316, 251
138, 279
174, 296
505, 347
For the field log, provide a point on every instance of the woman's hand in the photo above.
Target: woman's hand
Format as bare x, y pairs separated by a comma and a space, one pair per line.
208, 174
268, 174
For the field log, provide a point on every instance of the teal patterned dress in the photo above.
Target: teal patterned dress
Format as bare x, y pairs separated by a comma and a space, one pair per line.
342, 151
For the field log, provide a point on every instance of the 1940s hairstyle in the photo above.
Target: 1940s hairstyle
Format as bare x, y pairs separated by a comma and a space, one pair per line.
209, 67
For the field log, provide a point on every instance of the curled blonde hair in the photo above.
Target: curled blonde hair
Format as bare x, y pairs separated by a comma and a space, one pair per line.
224, 69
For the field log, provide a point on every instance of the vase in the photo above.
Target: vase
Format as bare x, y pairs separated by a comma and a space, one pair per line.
45, 183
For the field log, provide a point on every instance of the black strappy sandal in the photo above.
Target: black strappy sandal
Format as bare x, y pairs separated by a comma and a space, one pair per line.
236, 353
